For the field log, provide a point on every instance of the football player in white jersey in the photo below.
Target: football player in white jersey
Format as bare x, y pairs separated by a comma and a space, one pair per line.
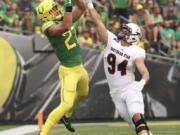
121, 57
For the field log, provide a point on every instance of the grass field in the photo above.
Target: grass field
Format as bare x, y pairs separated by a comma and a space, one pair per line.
158, 128
6, 127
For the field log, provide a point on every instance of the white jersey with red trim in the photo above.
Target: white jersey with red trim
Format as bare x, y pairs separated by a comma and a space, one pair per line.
119, 63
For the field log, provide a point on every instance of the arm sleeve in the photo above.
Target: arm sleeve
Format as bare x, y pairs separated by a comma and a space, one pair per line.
140, 54
111, 37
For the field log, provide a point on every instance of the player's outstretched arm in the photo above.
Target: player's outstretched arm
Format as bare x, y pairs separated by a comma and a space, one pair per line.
144, 74
58, 29
79, 10
102, 31
142, 68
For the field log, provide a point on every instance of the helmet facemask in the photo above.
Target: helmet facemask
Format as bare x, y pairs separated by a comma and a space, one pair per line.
56, 12
124, 33
130, 33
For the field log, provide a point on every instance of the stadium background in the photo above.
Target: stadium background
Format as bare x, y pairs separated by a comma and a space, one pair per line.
35, 86
28, 77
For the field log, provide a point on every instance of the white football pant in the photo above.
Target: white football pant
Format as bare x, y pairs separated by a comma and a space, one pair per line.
128, 103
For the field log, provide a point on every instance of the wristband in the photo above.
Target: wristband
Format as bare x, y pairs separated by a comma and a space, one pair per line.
68, 9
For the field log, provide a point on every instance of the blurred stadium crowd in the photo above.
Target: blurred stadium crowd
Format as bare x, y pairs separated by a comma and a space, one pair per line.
159, 19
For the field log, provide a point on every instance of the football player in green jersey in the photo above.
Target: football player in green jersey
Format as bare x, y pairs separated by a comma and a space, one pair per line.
59, 28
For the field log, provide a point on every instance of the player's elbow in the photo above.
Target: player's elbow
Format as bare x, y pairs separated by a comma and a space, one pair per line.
147, 75
67, 27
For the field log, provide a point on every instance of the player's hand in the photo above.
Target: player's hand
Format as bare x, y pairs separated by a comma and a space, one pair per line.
138, 85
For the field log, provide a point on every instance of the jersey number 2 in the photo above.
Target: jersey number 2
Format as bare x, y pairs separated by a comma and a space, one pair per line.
111, 59
68, 45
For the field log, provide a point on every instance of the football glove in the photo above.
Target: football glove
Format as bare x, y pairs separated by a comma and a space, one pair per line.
138, 85
89, 3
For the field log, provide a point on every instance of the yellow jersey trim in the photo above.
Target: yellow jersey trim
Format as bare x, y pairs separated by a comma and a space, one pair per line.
47, 25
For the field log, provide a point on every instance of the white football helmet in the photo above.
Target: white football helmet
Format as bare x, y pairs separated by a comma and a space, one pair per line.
131, 33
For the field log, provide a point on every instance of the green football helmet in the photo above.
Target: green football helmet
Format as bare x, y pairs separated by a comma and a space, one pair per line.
49, 10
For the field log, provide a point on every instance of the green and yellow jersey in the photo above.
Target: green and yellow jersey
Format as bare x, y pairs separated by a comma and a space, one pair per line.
65, 45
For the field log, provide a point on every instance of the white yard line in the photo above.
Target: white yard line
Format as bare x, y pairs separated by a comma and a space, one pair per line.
23, 130
20, 130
